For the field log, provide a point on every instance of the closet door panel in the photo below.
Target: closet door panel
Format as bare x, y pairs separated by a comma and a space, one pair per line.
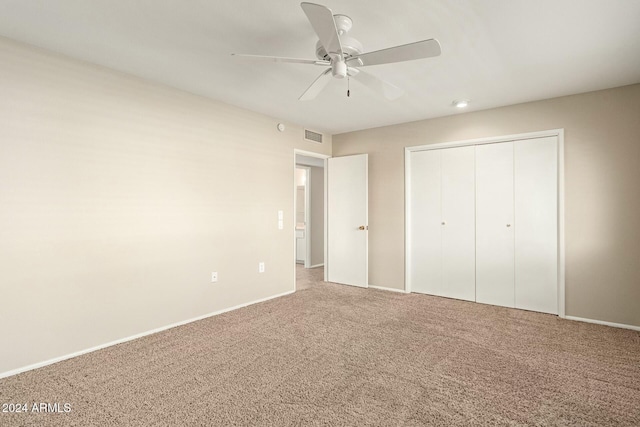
494, 224
458, 219
425, 214
536, 220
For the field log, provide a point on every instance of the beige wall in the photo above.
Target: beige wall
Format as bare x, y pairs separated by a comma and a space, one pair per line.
602, 172
119, 197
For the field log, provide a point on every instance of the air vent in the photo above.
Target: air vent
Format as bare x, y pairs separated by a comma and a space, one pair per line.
312, 136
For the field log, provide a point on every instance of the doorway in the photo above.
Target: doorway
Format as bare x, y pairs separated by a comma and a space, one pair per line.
337, 244
309, 218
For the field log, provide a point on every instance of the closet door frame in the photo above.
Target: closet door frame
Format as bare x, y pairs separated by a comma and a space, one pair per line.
559, 133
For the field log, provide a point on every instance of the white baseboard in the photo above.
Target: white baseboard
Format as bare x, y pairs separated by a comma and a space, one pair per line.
133, 337
382, 288
602, 322
316, 266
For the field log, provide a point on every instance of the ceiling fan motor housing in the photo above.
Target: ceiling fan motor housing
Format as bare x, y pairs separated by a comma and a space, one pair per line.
350, 45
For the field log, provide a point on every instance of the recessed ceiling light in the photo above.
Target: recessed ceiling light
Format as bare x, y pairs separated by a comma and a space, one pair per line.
461, 103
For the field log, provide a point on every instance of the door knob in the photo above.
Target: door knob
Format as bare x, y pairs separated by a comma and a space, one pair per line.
362, 227
444, 223
508, 225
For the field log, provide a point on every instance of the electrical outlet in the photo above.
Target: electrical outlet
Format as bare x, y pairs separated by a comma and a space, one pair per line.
214, 277
261, 267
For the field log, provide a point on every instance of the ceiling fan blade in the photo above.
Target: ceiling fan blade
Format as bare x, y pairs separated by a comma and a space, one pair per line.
378, 85
406, 52
282, 59
317, 86
321, 19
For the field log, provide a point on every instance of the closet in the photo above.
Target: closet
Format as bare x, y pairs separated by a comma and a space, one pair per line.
483, 223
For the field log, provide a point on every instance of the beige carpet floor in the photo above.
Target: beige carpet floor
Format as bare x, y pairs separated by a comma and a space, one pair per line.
338, 355
307, 277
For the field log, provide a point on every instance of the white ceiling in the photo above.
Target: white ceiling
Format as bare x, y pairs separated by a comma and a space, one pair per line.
494, 52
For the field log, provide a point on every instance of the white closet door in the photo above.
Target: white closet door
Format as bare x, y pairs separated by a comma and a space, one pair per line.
425, 216
458, 223
494, 224
536, 218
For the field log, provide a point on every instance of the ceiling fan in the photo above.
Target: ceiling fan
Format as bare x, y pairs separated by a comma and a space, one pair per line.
343, 55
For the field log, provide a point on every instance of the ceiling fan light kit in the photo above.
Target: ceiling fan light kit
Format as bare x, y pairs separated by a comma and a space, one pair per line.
343, 54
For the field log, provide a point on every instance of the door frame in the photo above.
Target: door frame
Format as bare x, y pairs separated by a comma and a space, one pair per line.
559, 133
324, 157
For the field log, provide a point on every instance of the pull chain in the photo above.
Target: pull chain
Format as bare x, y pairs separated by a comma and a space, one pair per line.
348, 88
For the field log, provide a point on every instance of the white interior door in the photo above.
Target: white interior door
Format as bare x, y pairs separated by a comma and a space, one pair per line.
458, 223
347, 220
425, 222
494, 224
536, 217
